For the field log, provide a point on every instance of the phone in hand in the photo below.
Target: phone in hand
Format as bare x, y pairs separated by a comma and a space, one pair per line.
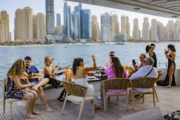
134, 62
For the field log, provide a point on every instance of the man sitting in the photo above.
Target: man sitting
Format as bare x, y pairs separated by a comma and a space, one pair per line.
108, 61
147, 71
33, 74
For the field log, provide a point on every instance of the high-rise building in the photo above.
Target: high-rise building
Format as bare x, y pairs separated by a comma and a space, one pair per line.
160, 31
154, 30
35, 27
177, 30
10, 36
127, 28
58, 19
18, 25
135, 33
58, 29
68, 23
145, 29
41, 26
115, 24
27, 24
106, 28
123, 24
4, 26
170, 27
50, 26
75, 18
78, 9
165, 33
95, 29
86, 30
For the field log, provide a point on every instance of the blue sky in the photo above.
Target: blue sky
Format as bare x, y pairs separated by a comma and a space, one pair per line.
39, 6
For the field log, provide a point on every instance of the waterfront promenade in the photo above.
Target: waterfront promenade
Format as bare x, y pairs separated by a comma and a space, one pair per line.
169, 101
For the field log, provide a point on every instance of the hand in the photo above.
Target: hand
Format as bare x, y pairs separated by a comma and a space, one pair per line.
31, 75
57, 66
93, 56
33, 84
133, 63
24, 78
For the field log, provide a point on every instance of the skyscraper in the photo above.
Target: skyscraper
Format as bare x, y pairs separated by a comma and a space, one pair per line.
4, 26
177, 30
135, 33
75, 20
41, 26
50, 26
145, 30
170, 27
115, 24
86, 23
58, 19
27, 23
95, 29
78, 9
154, 30
35, 27
165, 33
123, 24
106, 28
127, 28
160, 31
18, 25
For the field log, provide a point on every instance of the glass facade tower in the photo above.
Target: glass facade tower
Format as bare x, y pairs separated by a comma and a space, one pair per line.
86, 24
58, 19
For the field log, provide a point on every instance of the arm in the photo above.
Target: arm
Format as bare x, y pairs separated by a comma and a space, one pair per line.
94, 65
19, 86
30, 76
46, 70
150, 51
172, 58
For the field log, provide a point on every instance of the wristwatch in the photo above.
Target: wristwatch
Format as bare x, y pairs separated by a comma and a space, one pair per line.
34, 74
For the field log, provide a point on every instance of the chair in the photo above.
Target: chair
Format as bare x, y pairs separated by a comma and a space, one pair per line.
77, 95
159, 75
142, 83
115, 84
149, 114
9, 100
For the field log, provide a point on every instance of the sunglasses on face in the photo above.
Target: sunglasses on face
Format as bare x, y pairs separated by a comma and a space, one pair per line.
145, 61
141, 57
111, 55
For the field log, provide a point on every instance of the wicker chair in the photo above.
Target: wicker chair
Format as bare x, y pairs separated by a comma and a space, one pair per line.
115, 84
142, 83
155, 85
77, 95
9, 100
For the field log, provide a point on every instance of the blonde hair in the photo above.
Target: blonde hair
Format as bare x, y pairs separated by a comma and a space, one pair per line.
48, 60
18, 68
144, 55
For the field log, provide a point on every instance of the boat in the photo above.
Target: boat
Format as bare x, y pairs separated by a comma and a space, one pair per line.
120, 43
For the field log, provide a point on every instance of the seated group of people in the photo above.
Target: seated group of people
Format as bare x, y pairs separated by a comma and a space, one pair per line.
23, 70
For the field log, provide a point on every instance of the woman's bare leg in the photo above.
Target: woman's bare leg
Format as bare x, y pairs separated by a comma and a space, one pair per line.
171, 71
43, 99
29, 97
41, 83
33, 103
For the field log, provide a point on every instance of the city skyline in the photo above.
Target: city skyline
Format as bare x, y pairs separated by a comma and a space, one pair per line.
95, 10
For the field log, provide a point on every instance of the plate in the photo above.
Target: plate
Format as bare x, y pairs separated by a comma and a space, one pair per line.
91, 77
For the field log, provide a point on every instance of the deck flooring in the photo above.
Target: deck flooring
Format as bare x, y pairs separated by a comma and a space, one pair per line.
169, 101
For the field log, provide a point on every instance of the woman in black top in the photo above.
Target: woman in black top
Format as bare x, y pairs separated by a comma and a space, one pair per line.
150, 51
170, 79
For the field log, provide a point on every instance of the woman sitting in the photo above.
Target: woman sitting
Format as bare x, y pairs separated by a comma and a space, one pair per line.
116, 70
79, 75
141, 58
15, 90
50, 73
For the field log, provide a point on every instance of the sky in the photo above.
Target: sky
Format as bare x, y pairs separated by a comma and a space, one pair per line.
39, 6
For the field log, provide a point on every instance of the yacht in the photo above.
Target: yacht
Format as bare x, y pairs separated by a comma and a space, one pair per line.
119, 43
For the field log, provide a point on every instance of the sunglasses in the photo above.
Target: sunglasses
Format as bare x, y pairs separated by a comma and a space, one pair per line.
145, 61
141, 57
111, 55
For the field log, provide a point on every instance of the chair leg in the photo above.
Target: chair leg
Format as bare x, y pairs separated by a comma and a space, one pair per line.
10, 103
143, 99
93, 107
154, 98
64, 106
132, 94
156, 94
4, 106
4, 100
127, 99
82, 106
104, 99
117, 100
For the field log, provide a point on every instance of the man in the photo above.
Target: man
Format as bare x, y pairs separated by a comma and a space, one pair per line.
143, 71
33, 74
153, 54
108, 62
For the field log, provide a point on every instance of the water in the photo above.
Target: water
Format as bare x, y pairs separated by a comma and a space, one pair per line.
66, 55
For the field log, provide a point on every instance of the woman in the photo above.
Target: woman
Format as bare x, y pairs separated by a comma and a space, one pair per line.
150, 51
15, 90
116, 70
170, 79
79, 75
141, 58
50, 73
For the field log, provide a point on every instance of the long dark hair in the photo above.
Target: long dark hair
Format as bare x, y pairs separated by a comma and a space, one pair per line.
148, 47
172, 47
119, 69
76, 63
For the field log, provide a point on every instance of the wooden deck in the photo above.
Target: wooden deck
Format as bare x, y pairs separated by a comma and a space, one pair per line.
169, 102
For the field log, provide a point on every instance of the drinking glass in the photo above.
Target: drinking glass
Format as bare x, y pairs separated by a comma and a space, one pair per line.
66, 72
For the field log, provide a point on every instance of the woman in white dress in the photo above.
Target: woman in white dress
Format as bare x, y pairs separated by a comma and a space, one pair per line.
79, 74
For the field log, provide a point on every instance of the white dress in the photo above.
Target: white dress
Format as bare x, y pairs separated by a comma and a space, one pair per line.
83, 82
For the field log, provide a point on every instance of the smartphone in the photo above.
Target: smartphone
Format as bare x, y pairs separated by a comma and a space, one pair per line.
134, 62
30, 72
